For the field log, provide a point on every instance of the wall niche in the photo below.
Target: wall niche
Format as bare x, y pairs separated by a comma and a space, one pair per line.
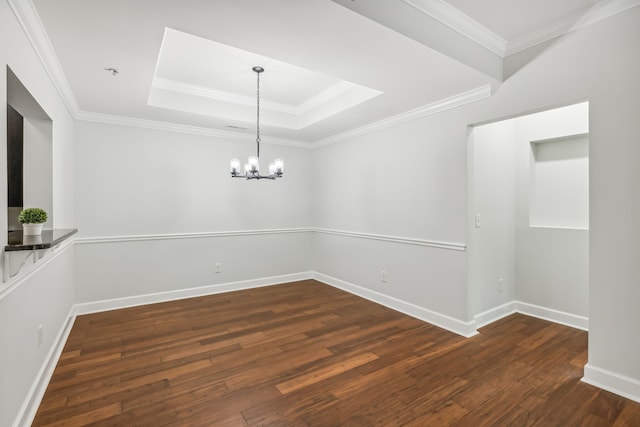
560, 182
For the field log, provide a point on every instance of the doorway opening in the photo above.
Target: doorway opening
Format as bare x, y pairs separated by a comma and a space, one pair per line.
529, 216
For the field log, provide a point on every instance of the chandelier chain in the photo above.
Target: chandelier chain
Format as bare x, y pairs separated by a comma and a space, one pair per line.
258, 117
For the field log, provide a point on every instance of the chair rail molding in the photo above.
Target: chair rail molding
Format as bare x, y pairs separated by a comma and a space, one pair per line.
200, 235
395, 239
196, 235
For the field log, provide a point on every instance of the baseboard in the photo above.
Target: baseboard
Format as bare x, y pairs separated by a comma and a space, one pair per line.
30, 406
466, 329
556, 316
610, 381
494, 314
133, 301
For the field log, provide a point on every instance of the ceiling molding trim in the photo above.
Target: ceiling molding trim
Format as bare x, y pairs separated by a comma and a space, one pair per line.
188, 129
327, 95
461, 23
597, 12
463, 98
232, 98
31, 24
317, 100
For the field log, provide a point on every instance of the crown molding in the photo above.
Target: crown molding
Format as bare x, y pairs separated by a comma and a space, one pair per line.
460, 99
597, 12
188, 129
541, 35
232, 98
454, 101
461, 23
335, 98
458, 21
29, 20
315, 101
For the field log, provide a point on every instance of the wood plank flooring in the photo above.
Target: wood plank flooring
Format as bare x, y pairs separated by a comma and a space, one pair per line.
306, 354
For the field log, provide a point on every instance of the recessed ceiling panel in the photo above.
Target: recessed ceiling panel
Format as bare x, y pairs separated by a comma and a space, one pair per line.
205, 77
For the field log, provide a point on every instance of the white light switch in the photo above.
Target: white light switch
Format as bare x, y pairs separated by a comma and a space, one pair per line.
477, 220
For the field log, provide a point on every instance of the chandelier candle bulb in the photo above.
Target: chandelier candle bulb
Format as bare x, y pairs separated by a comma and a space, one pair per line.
279, 166
272, 168
235, 167
254, 165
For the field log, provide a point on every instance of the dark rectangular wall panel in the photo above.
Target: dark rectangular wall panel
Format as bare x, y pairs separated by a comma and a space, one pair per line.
15, 153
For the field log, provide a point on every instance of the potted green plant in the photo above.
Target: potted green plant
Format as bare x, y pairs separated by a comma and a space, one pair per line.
32, 220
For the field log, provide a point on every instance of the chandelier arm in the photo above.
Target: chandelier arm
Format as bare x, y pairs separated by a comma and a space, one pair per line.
257, 177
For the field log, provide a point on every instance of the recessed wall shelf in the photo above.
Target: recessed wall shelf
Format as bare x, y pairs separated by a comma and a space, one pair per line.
559, 180
35, 247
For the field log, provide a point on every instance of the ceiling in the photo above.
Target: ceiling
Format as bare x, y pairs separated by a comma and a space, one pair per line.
515, 19
330, 66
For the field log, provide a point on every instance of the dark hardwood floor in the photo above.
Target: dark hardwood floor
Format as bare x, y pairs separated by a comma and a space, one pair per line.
305, 353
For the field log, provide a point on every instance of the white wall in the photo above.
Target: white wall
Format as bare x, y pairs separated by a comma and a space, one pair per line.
140, 182
552, 268
133, 181
555, 126
614, 201
108, 270
44, 297
560, 182
552, 264
390, 183
411, 180
38, 167
492, 196
417, 275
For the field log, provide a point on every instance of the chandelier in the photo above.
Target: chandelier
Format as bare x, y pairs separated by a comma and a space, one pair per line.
252, 167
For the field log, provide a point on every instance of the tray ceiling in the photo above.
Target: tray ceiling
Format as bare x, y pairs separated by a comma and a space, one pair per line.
332, 67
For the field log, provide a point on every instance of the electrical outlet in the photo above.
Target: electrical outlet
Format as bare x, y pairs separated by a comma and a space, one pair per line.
40, 335
218, 267
500, 285
384, 277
